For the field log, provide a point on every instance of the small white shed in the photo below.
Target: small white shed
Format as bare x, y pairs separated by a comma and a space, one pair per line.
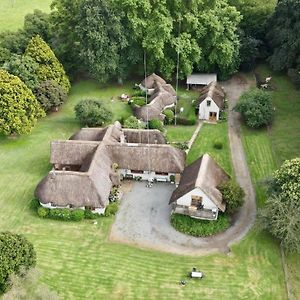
198, 80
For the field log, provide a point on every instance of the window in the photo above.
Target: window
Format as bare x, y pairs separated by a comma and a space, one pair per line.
196, 200
137, 171
208, 102
161, 173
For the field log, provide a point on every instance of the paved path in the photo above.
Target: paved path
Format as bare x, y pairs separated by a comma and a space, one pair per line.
195, 134
143, 218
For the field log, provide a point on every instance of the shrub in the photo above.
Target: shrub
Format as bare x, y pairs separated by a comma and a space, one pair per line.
218, 145
133, 122
49, 66
156, 124
195, 227
140, 101
17, 254
186, 121
60, 214
50, 94
169, 116
138, 93
256, 108
172, 178
19, 109
43, 212
88, 214
182, 145
92, 113
233, 195
111, 209
77, 215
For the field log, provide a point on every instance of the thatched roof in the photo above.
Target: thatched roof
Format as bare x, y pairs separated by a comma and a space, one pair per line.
139, 136
158, 158
89, 134
163, 96
215, 92
91, 185
150, 81
206, 175
71, 152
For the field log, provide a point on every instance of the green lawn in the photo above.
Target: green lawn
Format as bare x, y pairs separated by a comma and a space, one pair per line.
78, 261
180, 133
204, 143
267, 149
12, 12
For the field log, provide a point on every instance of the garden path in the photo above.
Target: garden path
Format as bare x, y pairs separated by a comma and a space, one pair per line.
143, 217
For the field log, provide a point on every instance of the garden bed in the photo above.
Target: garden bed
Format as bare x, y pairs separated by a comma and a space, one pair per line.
200, 228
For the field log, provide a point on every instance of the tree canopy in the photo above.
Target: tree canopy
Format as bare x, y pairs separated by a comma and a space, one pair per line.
49, 68
19, 109
256, 108
283, 36
281, 214
17, 254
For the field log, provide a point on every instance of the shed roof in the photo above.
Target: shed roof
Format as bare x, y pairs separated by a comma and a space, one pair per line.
201, 79
206, 175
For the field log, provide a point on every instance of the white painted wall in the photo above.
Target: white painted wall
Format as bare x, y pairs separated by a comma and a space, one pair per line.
146, 175
186, 199
204, 110
99, 211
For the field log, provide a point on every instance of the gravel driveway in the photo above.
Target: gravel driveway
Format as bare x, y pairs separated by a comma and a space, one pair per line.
144, 215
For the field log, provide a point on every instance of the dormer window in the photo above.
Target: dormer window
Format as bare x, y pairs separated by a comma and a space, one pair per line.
208, 102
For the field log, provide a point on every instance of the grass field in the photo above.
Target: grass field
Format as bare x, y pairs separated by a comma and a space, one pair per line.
204, 143
12, 12
78, 261
267, 149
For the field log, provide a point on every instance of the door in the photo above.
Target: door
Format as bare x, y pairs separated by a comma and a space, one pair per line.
212, 116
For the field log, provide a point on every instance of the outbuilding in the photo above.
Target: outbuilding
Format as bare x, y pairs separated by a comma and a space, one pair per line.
198, 80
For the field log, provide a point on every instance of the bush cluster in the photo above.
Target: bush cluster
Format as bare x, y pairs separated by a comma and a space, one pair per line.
140, 101
92, 113
218, 145
139, 93
169, 116
134, 123
156, 124
64, 214
111, 209
186, 121
200, 228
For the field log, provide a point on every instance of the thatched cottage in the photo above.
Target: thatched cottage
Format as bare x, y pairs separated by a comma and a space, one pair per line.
197, 194
84, 170
162, 96
211, 102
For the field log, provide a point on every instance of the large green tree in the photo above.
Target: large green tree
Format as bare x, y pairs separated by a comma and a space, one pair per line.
284, 38
17, 254
102, 37
19, 109
281, 214
49, 67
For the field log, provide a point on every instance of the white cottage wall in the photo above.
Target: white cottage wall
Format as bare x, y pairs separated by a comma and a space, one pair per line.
187, 199
204, 110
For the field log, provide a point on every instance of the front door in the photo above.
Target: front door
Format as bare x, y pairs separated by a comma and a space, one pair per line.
212, 116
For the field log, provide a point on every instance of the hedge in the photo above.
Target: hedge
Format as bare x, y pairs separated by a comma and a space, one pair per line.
200, 228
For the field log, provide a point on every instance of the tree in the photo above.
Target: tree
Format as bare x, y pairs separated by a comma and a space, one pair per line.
256, 108
92, 113
281, 214
25, 68
133, 122
283, 35
102, 38
4, 55
49, 66
50, 95
17, 254
233, 195
19, 109
27, 285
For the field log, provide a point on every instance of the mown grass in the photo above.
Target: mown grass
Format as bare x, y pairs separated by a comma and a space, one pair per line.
204, 143
12, 12
77, 259
180, 133
266, 149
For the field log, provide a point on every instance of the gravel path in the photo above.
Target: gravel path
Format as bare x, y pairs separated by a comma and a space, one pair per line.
143, 217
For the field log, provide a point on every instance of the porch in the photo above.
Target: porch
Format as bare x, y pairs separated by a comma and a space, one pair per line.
203, 214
